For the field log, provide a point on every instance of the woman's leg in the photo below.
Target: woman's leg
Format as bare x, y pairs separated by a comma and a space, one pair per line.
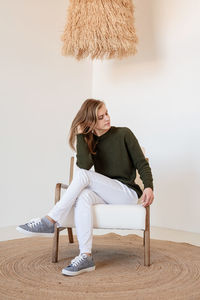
114, 192
83, 218
110, 190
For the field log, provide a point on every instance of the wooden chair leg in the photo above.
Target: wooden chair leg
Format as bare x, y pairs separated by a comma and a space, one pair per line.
55, 245
147, 248
70, 235
146, 240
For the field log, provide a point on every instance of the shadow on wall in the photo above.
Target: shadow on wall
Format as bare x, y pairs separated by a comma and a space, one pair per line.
146, 31
148, 52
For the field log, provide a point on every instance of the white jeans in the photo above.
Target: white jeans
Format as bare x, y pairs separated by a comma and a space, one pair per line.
86, 189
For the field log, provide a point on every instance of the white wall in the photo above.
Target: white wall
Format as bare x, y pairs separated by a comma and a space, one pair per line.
40, 93
156, 94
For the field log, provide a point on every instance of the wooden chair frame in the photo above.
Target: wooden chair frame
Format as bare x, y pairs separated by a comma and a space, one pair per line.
146, 236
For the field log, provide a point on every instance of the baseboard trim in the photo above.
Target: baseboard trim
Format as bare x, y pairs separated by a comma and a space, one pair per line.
10, 233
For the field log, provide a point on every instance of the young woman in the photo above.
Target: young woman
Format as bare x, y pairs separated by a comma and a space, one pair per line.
115, 154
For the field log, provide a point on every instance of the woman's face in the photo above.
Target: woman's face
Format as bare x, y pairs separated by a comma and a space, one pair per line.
103, 119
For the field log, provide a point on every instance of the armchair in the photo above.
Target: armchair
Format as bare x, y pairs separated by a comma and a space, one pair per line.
106, 217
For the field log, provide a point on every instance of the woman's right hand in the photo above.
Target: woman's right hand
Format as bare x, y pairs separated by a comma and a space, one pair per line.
79, 129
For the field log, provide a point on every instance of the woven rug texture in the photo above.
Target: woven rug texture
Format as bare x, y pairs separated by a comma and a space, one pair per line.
27, 273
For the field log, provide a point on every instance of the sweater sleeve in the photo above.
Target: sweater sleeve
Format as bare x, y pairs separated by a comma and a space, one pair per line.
138, 159
83, 156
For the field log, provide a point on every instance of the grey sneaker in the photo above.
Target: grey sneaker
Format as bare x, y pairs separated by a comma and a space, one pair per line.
37, 227
80, 264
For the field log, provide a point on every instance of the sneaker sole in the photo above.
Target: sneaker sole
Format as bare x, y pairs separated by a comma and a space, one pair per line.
71, 273
30, 233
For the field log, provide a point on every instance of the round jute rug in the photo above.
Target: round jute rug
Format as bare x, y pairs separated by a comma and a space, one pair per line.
26, 271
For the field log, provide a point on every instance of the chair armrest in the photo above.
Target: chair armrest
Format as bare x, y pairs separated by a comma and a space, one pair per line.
59, 186
64, 186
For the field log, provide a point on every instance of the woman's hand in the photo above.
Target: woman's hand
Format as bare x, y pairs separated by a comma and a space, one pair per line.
147, 197
79, 129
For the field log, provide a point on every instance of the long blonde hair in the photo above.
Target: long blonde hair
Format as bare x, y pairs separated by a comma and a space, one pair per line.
86, 119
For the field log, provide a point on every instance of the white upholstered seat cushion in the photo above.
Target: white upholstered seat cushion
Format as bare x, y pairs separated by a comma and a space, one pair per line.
112, 216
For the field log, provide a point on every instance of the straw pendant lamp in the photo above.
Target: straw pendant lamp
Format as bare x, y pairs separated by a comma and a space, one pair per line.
99, 29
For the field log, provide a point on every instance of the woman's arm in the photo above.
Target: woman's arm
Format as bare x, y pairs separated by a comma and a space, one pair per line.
84, 157
138, 159
142, 165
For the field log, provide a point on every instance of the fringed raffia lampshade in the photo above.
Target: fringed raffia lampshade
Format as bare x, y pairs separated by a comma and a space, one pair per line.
99, 29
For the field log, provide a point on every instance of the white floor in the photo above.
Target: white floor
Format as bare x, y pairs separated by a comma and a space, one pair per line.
9, 233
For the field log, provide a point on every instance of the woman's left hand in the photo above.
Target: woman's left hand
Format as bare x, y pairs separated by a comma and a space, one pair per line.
147, 197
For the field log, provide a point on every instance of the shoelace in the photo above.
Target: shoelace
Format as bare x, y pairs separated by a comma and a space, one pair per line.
33, 222
78, 259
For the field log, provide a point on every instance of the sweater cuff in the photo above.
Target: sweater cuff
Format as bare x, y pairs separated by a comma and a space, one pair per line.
148, 185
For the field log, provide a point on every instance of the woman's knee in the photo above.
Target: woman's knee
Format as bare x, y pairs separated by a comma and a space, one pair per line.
82, 175
84, 197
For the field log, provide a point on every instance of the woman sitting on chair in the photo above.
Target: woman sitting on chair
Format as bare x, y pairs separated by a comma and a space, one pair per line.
115, 154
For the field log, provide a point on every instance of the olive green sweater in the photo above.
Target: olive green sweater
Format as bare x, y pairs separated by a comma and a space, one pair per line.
118, 155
